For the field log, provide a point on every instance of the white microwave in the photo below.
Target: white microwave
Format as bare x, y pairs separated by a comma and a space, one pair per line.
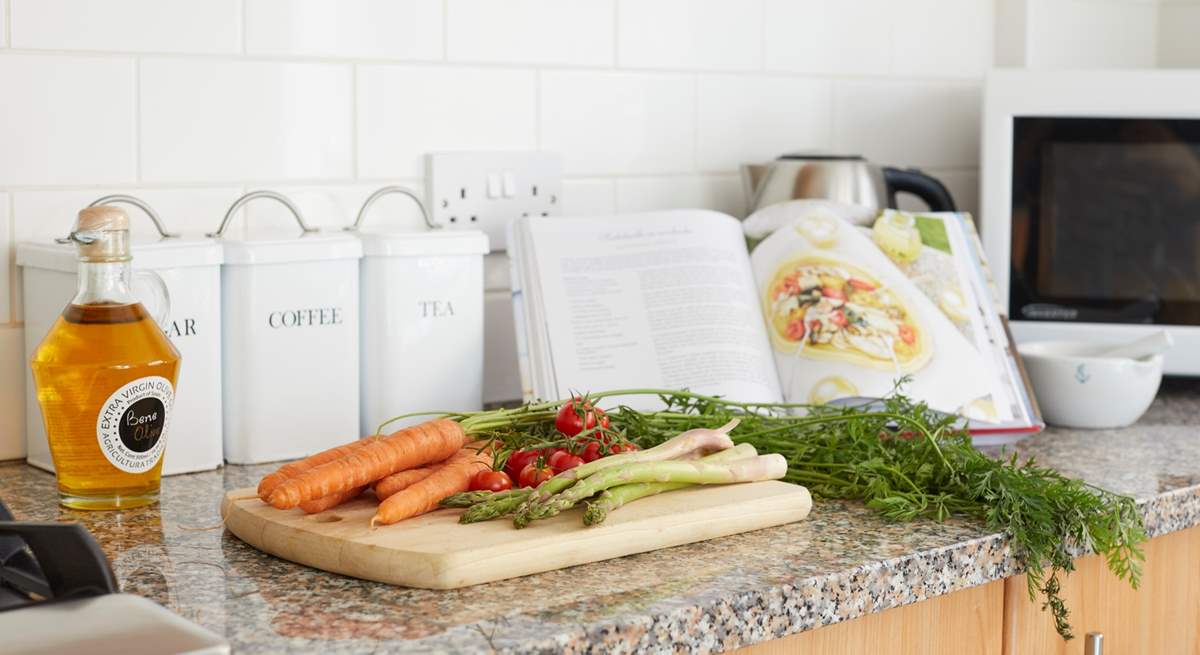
1090, 210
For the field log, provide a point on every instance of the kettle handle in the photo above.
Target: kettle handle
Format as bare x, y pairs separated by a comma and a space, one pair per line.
923, 186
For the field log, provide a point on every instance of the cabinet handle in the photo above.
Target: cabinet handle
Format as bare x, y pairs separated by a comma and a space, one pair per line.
1093, 644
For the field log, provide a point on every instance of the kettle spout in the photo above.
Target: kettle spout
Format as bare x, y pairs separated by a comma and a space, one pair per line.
752, 178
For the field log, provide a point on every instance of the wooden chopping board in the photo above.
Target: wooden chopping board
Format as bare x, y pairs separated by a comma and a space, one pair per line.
434, 551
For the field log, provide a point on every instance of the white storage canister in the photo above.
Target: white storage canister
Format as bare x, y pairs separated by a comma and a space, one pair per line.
422, 319
191, 270
290, 322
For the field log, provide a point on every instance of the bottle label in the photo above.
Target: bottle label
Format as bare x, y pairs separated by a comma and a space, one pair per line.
132, 425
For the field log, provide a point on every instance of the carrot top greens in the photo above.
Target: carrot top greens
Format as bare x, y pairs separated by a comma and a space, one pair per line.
900, 458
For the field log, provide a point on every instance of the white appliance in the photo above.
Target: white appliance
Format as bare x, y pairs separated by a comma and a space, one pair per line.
422, 320
1091, 204
191, 270
290, 320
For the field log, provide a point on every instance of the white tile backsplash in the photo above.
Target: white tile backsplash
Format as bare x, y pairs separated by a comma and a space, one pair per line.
378, 29
705, 34
47, 214
560, 32
229, 120
336, 207
192, 26
847, 37
748, 119
908, 123
722, 193
66, 120
943, 37
619, 123
405, 112
652, 103
589, 197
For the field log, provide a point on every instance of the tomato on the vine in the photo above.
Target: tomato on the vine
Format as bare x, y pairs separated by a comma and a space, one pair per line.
533, 475
562, 460
491, 481
591, 452
577, 415
517, 461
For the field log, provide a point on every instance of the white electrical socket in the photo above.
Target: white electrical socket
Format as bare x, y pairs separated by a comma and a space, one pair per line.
486, 190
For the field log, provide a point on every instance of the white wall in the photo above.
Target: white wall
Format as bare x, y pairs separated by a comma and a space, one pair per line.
653, 103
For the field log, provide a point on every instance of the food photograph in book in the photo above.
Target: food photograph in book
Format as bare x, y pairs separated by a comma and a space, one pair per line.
851, 309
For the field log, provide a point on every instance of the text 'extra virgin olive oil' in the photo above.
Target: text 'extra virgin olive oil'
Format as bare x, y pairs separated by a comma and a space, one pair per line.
105, 377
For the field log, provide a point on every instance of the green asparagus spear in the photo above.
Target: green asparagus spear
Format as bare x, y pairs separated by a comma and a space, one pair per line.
611, 499
495, 508
469, 498
763, 467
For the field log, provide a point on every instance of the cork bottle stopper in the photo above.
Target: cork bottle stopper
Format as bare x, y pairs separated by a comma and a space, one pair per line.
102, 217
102, 234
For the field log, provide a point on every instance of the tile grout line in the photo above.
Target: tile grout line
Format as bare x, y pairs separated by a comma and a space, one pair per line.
445, 30
234, 57
354, 149
137, 119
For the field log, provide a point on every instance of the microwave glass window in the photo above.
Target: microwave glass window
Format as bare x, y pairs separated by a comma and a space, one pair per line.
1106, 220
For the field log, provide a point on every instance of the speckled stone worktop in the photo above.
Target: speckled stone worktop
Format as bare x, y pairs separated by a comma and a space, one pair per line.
707, 597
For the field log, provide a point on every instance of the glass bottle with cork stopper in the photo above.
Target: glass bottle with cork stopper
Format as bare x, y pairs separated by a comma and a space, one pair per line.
105, 375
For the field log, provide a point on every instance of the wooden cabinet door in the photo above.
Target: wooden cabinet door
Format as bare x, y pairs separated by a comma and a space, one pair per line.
1161, 617
967, 621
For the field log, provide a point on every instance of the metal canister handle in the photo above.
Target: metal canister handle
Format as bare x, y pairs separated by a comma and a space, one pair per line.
120, 198
1093, 643
262, 193
362, 212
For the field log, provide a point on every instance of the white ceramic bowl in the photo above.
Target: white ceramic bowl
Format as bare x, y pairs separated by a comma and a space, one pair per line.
1077, 390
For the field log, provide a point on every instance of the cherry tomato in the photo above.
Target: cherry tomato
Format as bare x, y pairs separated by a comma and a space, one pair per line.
830, 292
491, 481
591, 452
518, 460
533, 475
839, 319
564, 461
908, 334
862, 285
622, 448
577, 415
556, 457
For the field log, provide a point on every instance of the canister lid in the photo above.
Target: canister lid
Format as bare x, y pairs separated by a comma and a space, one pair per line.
282, 247
424, 244
149, 253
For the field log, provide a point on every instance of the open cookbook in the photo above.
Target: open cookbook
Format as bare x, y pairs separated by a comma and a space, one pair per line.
803, 302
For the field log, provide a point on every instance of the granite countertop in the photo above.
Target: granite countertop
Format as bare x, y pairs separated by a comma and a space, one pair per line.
841, 563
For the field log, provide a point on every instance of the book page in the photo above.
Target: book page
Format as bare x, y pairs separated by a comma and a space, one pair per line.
658, 300
845, 320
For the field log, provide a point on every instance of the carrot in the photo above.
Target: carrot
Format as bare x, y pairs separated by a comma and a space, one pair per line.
401, 480
328, 502
292, 469
452, 476
418, 445
424, 496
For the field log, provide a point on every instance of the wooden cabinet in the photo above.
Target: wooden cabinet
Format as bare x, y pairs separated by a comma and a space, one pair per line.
967, 621
1161, 617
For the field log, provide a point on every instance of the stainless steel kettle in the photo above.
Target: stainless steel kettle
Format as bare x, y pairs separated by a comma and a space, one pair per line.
842, 178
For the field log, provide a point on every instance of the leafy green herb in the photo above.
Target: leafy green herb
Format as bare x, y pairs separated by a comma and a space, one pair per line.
902, 460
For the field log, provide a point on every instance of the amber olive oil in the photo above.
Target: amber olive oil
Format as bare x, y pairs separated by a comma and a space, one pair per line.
105, 377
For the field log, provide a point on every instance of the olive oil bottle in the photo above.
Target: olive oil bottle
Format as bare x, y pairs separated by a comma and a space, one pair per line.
105, 377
